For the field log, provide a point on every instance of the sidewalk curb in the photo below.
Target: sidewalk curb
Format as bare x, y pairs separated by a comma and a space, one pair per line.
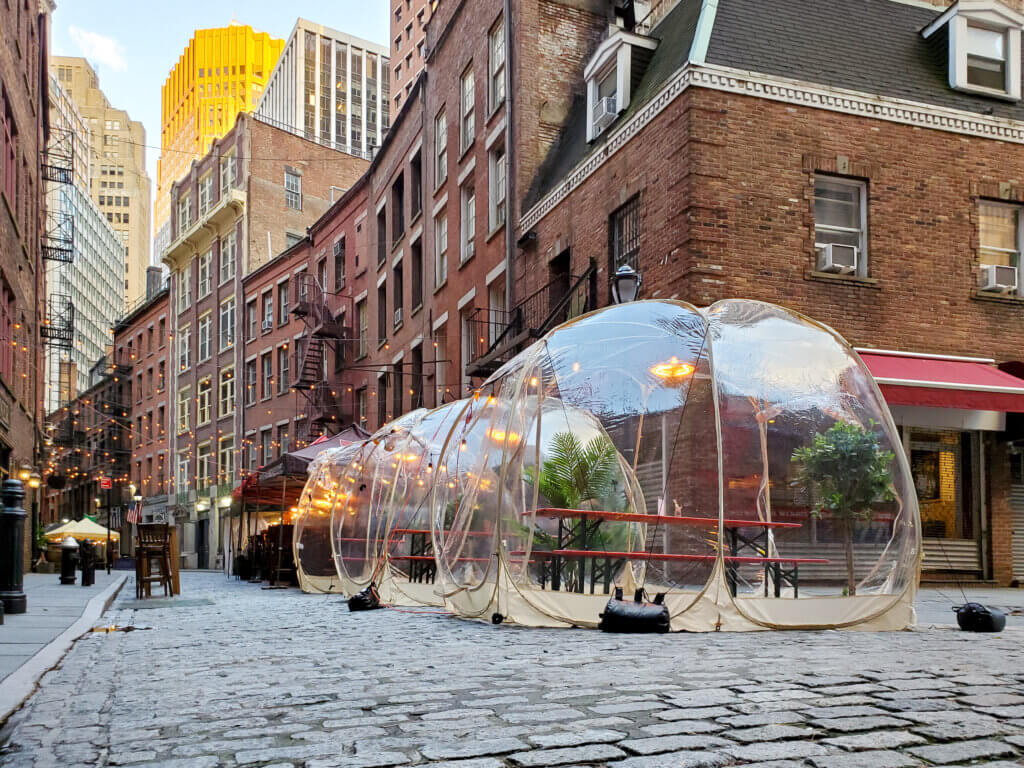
21, 683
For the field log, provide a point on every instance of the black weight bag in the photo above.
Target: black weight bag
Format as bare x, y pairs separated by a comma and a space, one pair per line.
367, 600
975, 617
637, 616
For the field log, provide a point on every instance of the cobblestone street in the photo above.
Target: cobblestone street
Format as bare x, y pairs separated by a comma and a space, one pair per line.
230, 674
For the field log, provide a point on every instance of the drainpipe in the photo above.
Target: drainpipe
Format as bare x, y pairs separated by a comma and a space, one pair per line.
511, 158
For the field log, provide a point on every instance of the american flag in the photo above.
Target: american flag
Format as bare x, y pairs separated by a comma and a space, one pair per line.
135, 513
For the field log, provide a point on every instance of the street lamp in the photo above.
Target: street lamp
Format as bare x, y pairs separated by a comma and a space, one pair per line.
625, 284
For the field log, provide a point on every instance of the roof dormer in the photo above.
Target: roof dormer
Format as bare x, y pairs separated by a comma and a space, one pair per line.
983, 41
615, 68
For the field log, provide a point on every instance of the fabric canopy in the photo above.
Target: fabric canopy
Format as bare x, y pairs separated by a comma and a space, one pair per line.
82, 529
978, 385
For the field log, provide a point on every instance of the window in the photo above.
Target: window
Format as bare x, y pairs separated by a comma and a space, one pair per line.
382, 313
417, 273
227, 174
467, 100
228, 248
184, 214
226, 460
184, 286
203, 402
398, 294
497, 191
184, 348
204, 337
624, 236
441, 249
340, 346
203, 274
496, 65
268, 311
282, 438
282, 303
999, 235
226, 390
161, 381
416, 385
267, 364
468, 196
397, 393
606, 103
397, 209
182, 478
203, 458
266, 454
321, 276
227, 323
415, 187
250, 381
382, 237
361, 405
205, 193
440, 148
9, 158
496, 309
184, 407
986, 57
283, 377
293, 190
339, 265
440, 364
382, 400
250, 319
840, 216
362, 318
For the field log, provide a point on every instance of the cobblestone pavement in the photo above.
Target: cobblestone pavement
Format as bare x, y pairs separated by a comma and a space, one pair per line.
234, 675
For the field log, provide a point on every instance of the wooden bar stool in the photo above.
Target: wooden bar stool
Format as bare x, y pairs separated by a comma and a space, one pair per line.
154, 549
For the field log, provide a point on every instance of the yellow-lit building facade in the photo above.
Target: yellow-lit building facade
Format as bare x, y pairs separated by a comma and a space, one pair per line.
221, 72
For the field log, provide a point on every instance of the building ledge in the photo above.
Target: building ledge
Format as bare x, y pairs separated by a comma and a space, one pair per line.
998, 298
201, 234
854, 281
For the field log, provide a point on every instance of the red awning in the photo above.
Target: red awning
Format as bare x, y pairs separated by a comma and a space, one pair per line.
944, 382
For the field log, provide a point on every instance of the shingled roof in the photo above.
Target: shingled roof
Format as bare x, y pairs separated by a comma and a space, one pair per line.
870, 46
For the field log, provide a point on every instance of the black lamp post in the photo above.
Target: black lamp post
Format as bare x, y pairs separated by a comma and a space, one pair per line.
12, 544
625, 284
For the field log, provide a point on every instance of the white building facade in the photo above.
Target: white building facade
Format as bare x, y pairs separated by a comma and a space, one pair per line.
331, 88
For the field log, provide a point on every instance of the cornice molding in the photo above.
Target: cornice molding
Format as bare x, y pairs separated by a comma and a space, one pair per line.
780, 89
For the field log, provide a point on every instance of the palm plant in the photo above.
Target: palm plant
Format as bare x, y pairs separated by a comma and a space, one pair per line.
847, 471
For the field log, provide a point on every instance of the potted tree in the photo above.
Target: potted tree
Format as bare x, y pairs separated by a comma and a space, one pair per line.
846, 471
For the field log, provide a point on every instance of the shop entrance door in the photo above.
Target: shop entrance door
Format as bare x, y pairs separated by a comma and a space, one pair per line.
203, 544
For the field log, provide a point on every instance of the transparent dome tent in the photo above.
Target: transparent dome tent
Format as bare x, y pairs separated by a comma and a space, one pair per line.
737, 459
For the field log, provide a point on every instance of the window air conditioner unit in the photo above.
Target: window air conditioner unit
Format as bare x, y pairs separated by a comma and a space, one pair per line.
998, 278
398, 316
268, 325
841, 259
605, 112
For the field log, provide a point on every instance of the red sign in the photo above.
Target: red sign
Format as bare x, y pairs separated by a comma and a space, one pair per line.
105, 483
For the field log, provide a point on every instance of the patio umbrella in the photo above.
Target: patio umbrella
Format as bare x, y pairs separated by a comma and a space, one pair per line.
82, 529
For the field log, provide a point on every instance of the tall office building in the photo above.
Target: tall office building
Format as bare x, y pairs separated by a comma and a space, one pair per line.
331, 88
85, 262
221, 72
408, 34
118, 181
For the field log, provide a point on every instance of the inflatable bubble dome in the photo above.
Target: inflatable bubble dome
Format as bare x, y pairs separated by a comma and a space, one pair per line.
736, 463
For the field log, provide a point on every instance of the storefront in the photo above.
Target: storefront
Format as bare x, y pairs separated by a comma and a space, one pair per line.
952, 414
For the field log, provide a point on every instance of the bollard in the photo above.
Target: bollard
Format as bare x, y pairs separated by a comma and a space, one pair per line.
68, 560
12, 543
87, 562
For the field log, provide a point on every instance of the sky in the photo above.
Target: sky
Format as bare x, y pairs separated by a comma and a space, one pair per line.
132, 47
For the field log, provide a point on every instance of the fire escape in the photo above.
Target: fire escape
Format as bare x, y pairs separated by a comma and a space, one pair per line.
321, 398
498, 335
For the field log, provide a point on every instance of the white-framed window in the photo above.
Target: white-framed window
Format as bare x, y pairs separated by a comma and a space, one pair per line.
250, 382
496, 64
496, 309
840, 217
266, 448
228, 249
606, 103
185, 288
267, 364
226, 460
293, 190
227, 323
203, 264
181, 486
283, 375
282, 302
227, 173
226, 400
250, 319
496, 179
363, 319
184, 213
983, 39
203, 338
467, 195
986, 57
184, 348
999, 236
440, 248
204, 454
184, 409
440, 148
467, 101
268, 311
205, 193
203, 395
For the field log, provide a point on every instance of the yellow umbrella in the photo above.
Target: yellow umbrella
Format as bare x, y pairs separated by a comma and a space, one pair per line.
82, 529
